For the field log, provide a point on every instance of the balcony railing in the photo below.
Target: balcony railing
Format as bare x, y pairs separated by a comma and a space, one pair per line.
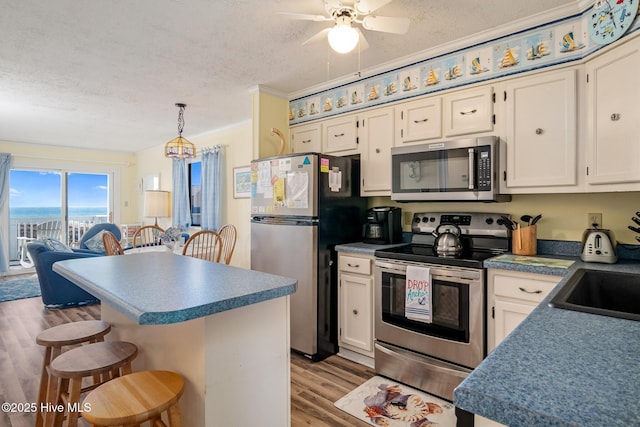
39, 227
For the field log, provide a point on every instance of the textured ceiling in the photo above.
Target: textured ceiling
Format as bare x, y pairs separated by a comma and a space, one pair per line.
106, 74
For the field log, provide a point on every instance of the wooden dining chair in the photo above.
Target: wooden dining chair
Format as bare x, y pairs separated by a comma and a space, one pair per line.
111, 244
147, 236
228, 234
205, 244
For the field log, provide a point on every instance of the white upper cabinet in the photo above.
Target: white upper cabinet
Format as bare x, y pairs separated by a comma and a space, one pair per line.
419, 120
613, 117
340, 135
376, 136
306, 138
541, 130
468, 111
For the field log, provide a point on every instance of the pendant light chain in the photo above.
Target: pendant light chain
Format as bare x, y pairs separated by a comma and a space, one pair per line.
180, 118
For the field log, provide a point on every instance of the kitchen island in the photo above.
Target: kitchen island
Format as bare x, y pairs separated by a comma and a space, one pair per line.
560, 368
225, 329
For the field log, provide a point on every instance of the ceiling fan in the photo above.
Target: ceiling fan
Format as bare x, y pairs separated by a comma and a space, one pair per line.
343, 37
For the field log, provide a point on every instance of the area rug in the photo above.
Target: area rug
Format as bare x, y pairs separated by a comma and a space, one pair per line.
383, 402
19, 288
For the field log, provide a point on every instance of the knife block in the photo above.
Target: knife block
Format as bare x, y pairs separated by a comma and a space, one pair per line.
524, 241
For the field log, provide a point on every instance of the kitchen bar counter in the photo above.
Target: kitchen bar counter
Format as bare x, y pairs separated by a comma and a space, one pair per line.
560, 368
225, 329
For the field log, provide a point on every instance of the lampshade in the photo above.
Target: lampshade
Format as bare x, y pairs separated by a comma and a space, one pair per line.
343, 37
156, 204
180, 148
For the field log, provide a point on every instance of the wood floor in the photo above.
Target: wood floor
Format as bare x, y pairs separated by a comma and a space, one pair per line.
314, 386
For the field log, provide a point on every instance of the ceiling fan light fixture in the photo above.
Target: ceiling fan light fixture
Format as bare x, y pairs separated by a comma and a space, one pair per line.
343, 38
179, 147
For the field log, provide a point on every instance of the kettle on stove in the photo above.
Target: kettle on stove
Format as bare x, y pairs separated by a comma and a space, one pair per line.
598, 245
448, 242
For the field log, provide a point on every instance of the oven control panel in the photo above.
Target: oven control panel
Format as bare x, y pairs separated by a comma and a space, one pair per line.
475, 224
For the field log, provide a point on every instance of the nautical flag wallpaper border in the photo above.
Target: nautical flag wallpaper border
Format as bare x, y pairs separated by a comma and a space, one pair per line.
561, 41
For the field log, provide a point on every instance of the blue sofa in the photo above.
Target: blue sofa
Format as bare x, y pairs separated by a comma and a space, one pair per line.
58, 292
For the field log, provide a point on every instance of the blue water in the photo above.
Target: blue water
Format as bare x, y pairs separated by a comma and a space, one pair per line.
55, 212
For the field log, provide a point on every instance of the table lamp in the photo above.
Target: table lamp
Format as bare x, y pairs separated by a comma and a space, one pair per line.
156, 204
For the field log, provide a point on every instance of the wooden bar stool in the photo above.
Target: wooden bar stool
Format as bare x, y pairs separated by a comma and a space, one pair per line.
136, 398
108, 360
53, 339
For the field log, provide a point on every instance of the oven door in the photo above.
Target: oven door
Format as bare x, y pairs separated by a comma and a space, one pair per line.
457, 331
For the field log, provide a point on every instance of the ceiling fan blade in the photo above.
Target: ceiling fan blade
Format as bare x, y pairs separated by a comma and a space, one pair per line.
305, 16
317, 37
365, 7
329, 5
386, 24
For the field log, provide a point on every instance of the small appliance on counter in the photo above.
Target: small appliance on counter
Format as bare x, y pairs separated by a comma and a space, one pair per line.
383, 225
598, 245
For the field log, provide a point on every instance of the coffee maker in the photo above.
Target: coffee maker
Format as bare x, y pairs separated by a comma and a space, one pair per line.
383, 225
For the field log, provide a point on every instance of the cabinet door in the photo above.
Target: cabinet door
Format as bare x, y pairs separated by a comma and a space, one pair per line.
613, 152
541, 130
468, 111
419, 120
376, 137
508, 316
306, 138
340, 136
356, 317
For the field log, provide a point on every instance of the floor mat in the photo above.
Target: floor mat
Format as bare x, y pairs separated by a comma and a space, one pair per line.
383, 402
19, 288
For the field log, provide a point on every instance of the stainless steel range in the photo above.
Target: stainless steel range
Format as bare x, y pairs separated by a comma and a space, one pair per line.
436, 355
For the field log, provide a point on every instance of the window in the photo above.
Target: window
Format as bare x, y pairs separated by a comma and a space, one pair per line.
195, 197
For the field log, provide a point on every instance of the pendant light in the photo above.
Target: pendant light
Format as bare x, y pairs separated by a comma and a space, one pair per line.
180, 148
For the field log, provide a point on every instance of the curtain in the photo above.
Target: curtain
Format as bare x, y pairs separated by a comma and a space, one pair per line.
5, 168
180, 207
211, 185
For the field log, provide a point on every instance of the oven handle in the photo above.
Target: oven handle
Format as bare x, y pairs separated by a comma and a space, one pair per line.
437, 271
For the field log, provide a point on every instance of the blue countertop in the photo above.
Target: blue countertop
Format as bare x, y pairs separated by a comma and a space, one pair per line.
159, 287
364, 248
560, 367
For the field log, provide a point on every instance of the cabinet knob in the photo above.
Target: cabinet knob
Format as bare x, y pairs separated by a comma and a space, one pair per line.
353, 265
539, 131
306, 141
378, 150
355, 311
615, 117
465, 113
338, 135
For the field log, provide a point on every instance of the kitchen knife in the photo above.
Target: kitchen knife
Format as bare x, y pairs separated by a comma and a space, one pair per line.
636, 229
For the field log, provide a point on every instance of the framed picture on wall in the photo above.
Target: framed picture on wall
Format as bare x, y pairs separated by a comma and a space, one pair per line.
242, 182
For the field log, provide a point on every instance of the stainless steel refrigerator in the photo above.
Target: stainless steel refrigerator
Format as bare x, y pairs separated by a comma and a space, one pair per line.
302, 206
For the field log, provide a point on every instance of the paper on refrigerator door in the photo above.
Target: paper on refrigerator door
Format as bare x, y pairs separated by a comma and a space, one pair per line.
297, 189
417, 304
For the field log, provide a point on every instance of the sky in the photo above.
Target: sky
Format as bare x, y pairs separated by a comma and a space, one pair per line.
42, 189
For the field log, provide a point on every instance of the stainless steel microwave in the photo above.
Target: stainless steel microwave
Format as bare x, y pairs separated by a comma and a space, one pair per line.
462, 170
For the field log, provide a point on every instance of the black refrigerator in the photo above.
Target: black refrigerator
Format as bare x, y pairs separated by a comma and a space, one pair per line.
302, 206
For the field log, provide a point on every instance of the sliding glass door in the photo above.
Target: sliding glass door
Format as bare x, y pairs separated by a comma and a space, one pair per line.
57, 204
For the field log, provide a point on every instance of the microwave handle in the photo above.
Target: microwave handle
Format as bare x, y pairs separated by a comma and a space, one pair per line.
472, 169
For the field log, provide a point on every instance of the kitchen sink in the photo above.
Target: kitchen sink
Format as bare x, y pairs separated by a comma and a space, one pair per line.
606, 293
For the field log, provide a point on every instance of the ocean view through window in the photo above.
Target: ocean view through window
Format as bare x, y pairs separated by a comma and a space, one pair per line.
57, 204
195, 197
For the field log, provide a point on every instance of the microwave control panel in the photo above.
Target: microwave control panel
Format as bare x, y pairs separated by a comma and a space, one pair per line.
484, 168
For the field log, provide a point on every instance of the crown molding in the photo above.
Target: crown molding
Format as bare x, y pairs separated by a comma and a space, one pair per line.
519, 25
270, 91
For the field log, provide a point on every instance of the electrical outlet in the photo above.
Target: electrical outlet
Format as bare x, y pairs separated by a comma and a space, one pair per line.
407, 217
594, 220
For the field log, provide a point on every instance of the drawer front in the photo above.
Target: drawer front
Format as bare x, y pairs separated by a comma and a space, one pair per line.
355, 264
524, 288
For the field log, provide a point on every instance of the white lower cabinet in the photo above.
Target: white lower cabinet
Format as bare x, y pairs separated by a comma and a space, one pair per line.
355, 303
511, 296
